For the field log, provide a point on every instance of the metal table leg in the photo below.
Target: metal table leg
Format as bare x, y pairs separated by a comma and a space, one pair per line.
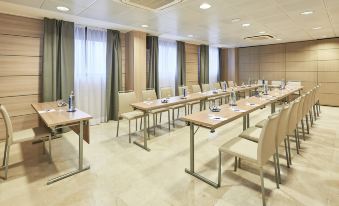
272, 107
145, 136
248, 120
244, 122
81, 168
191, 170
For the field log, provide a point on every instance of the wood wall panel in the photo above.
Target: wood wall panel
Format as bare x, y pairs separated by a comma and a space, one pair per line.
312, 62
20, 46
20, 65
191, 64
20, 69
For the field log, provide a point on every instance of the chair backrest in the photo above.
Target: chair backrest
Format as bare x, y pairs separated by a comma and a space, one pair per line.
276, 83
294, 83
180, 90
222, 84
216, 86
282, 125
8, 124
317, 92
260, 81
293, 116
166, 92
301, 108
230, 83
148, 95
196, 88
125, 99
306, 103
205, 87
267, 140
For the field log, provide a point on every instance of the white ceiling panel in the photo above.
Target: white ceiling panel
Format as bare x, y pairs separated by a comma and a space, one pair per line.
279, 18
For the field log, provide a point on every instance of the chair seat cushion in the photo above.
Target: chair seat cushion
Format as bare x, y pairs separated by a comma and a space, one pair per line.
132, 115
239, 147
194, 102
30, 134
159, 110
252, 133
261, 123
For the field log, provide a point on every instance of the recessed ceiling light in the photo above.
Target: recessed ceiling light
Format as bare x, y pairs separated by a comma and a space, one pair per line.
62, 8
262, 32
190, 35
278, 39
144, 25
324, 36
235, 20
205, 6
306, 12
246, 25
316, 28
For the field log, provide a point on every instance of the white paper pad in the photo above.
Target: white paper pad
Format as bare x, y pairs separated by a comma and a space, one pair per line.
45, 111
217, 118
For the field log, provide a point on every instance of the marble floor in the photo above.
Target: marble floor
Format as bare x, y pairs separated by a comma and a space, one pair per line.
123, 174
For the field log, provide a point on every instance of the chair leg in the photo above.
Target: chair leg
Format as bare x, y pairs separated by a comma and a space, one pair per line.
314, 113
303, 128
289, 149
191, 108
7, 161
173, 118
235, 163
296, 141
219, 170
178, 113
129, 131
169, 120
160, 118
118, 128
278, 165
185, 110
239, 162
136, 124
147, 126
311, 117
43, 146
262, 186
50, 148
307, 125
141, 123
5, 153
154, 122
276, 170
286, 151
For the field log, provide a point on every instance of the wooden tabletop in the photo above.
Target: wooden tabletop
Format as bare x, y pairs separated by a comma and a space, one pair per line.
52, 115
213, 120
157, 104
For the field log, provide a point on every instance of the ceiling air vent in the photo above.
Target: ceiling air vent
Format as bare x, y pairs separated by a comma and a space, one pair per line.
154, 5
259, 37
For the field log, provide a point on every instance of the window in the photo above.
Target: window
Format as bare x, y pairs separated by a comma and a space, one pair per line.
213, 64
167, 63
90, 71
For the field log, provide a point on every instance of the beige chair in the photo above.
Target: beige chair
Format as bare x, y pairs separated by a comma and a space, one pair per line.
306, 112
292, 123
180, 90
276, 83
205, 87
150, 95
38, 133
293, 83
231, 83
215, 86
256, 153
127, 112
317, 100
167, 92
195, 89
300, 115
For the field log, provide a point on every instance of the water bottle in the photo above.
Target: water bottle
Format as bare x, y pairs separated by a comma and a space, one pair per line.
282, 84
265, 89
233, 98
71, 102
225, 86
184, 91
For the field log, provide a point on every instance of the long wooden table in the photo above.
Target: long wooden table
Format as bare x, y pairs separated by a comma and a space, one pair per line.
213, 120
147, 106
57, 117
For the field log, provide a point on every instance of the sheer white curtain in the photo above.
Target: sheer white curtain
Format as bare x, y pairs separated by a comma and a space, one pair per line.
167, 63
90, 71
213, 64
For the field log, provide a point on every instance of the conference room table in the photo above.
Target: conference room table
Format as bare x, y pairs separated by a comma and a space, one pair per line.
147, 106
213, 120
56, 118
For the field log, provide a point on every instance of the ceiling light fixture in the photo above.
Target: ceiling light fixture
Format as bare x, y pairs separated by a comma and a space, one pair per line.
246, 25
262, 32
190, 35
278, 39
235, 20
324, 36
205, 6
307, 12
144, 25
62, 8
316, 28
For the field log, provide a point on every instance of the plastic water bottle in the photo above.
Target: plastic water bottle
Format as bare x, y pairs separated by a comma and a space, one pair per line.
233, 98
71, 102
225, 86
184, 91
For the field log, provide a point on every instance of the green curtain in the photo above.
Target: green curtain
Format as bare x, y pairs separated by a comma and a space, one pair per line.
220, 72
203, 64
113, 74
152, 78
58, 60
180, 78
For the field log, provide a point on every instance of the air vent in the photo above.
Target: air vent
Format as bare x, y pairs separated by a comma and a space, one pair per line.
259, 37
154, 5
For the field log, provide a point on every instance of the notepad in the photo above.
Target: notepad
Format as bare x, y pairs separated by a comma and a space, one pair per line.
251, 104
217, 118
46, 111
237, 110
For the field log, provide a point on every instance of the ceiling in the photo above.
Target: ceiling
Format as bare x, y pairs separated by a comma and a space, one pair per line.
279, 18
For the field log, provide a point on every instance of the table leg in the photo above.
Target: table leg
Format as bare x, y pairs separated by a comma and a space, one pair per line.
81, 168
248, 120
244, 122
145, 137
272, 107
191, 170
